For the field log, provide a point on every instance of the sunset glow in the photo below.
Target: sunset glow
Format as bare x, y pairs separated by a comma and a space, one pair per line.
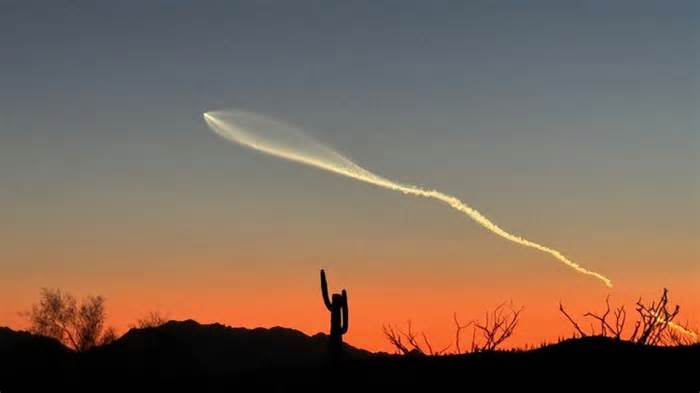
434, 158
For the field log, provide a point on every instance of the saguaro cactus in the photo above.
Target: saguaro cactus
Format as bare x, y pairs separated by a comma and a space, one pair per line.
338, 306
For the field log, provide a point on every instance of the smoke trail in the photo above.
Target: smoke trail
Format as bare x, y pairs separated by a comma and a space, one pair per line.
681, 329
285, 141
677, 327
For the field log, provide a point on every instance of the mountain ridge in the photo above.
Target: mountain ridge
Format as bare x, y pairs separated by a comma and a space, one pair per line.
186, 355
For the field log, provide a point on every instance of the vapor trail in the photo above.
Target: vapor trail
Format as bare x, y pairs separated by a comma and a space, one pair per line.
680, 328
283, 140
677, 327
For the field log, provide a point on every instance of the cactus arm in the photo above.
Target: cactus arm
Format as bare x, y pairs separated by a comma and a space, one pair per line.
344, 329
324, 291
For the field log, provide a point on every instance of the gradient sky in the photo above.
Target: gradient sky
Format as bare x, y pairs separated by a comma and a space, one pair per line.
573, 125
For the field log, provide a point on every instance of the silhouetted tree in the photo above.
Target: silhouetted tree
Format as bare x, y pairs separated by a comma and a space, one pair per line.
338, 306
78, 326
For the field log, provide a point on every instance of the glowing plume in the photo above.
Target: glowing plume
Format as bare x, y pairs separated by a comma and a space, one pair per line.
283, 140
682, 329
677, 327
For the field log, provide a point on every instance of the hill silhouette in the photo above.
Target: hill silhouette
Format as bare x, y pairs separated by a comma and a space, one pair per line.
187, 346
188, 356
24, 355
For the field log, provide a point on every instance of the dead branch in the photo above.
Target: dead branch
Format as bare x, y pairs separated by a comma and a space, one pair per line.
655, 319
573, 322
427, 343
620, 318
395, 339
458, 332
406, 342
654, 327
411, 338
499, 325
604, 325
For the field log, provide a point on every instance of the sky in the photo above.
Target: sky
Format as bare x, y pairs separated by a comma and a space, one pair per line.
573, 125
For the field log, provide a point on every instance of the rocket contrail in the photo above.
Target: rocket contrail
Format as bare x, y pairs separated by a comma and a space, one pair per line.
680, 328
677, 327
283, 140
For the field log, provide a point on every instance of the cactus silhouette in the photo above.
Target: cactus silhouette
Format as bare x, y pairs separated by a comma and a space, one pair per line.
338, 306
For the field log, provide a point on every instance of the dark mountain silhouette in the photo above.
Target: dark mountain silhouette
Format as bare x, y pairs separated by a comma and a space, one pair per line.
177, 353
24, 355
190, 347
188, 356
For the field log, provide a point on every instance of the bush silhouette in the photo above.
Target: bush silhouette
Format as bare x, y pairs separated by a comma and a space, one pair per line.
150, 320
655, 325
79, 326
496, 328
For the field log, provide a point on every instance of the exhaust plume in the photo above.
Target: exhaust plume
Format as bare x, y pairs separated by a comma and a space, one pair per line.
286, 141
681, 329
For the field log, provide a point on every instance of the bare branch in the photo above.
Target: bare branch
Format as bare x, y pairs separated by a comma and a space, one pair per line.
394, 338
654, 320
152, 319
604, 326
406, 342
498, 327
573, 322
458, 332
654, 327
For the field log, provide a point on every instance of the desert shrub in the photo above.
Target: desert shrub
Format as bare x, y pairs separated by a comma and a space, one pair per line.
78, 325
